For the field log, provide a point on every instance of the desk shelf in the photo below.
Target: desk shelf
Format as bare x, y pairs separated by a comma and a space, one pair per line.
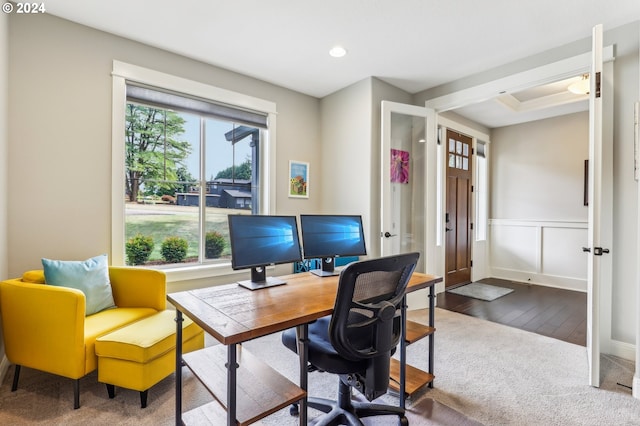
260, 389
415, 378
416, 331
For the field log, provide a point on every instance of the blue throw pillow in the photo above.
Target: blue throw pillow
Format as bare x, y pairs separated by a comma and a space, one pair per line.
90, 276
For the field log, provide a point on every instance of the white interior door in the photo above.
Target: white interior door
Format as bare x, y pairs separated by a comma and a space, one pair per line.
407, 190
599, 229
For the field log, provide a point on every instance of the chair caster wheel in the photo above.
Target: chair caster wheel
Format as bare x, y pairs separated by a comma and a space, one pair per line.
403, 421
294, 411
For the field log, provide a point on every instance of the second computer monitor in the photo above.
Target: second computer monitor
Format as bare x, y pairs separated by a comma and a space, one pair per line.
326, 237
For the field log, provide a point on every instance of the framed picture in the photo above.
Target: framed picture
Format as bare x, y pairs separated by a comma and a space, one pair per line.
298, 179
399, 166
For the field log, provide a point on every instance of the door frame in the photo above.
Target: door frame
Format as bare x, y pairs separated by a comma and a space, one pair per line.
479, 248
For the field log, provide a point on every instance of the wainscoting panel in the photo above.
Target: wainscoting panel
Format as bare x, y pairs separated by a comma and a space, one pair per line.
539, 252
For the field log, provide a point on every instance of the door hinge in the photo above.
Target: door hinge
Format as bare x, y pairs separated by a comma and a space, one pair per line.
598, 84
471, 188
471, 226
471, 263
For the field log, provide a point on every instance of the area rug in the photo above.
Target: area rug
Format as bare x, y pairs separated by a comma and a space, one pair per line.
486, 373
481, 291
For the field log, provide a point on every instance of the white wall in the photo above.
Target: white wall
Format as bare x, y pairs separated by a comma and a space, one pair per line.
60, 133
537, 169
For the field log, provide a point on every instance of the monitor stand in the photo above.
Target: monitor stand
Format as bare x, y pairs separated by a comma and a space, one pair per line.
328, 269
260, 280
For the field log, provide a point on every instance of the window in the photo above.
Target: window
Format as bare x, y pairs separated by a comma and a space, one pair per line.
482, 193
191, 154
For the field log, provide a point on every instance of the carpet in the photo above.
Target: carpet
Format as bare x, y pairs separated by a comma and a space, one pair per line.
481, 291
490, 373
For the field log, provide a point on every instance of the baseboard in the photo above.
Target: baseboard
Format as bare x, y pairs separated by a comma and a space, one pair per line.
636, 386
566, 283
621, 349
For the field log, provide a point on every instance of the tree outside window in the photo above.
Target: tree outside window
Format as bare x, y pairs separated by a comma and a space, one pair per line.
184, 173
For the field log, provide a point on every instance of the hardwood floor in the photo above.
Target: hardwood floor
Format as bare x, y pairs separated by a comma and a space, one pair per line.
561, 314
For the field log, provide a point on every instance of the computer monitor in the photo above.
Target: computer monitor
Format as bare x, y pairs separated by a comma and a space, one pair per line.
330, 236
258, 241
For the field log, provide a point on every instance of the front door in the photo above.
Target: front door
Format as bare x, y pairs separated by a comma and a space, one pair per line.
458, 225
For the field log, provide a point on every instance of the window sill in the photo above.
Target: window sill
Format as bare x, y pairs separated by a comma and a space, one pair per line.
187, 273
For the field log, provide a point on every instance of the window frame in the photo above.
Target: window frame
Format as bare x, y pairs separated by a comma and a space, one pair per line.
123, 73
481, 187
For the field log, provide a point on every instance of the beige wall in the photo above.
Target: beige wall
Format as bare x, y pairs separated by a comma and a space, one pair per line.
60, 114
4, 144
351, 124
346, 154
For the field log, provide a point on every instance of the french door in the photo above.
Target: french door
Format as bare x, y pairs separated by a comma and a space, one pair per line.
407, 199
600, 218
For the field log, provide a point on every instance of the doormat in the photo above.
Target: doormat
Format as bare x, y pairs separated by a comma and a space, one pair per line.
481, 291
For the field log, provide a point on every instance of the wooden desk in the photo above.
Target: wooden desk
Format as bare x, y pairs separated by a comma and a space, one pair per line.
233, 314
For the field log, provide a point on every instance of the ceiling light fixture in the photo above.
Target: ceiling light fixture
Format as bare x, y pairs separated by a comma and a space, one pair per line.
338, 51
580, 87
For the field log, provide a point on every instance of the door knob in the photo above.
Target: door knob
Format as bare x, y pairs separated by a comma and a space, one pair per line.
448, 229
389, 235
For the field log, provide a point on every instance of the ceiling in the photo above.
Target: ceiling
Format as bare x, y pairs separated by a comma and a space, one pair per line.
536, 103
412, 44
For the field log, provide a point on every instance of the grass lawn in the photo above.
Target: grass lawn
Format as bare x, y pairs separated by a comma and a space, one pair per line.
164, 220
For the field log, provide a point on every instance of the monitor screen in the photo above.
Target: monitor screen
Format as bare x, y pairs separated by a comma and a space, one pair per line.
328, 236
258, 241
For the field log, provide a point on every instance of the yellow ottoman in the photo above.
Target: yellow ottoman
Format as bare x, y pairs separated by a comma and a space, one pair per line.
141, 354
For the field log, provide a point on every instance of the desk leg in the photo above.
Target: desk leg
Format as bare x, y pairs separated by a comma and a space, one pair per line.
179, 321
432, 323
403, 352
232, 367
302, 332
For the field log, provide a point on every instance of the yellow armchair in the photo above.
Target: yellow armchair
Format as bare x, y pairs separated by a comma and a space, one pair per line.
44, 326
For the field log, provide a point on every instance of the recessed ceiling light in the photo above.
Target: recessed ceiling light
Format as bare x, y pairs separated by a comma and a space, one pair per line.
338, 51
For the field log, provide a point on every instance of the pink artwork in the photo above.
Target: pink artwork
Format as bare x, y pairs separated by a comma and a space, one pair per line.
399, 166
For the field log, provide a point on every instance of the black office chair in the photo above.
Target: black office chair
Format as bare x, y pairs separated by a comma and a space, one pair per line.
357, 341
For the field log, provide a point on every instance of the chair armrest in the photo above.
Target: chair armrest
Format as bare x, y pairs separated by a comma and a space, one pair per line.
138, 287
40, 320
